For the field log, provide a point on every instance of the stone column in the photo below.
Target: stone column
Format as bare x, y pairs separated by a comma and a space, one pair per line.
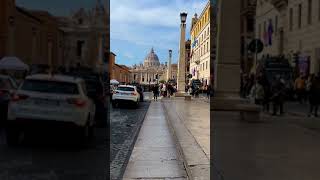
181, 65
227, 63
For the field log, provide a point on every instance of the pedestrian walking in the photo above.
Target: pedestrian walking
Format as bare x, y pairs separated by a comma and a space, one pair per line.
267, 93
257, 93
208, 91
314, 95
299, 86
155, 90
278, 95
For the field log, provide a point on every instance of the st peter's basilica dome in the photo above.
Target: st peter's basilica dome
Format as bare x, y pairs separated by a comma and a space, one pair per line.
151, 59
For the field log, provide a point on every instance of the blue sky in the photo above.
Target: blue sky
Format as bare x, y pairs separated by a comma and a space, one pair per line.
57, 7
138, 25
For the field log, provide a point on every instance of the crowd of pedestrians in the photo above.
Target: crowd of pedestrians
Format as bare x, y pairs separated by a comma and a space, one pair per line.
168, 90
263, 92
163, 89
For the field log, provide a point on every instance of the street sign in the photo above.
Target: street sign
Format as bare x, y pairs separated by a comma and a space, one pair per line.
255, 46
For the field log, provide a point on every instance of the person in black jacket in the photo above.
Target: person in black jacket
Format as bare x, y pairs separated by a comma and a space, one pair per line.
278, 95
314, 96
155, 91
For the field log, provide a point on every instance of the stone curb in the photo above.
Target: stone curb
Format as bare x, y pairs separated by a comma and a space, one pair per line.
133, 143
195, 161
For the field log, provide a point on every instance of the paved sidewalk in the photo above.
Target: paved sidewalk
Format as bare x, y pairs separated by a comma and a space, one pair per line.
155, 155
190, 123
274, 149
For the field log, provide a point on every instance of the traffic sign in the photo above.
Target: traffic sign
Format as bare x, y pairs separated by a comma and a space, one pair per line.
256, 46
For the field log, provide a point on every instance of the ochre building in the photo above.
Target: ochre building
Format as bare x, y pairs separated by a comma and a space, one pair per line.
200, 46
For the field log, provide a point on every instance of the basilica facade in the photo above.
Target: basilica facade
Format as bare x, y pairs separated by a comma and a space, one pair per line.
150, 72
84, 36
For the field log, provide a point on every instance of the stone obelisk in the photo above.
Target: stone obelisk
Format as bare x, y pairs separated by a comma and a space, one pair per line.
169, 66
182, 60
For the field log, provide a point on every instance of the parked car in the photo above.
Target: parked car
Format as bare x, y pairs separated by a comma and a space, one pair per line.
50, 101
95, 91
125, 94
7, 87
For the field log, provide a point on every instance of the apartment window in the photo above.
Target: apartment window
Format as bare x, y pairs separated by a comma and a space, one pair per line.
319, 10
250, 24
80, 45
207, 46
290, 19
276, 24
204, 48
309, 11
259, 31
299, 15
206, 64
241, 25
264, 27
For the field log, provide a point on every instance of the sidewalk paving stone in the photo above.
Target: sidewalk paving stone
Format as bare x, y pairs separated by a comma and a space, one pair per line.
190, 124
155, 155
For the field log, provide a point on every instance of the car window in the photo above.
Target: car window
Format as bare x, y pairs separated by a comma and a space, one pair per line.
50, 87
5, 83
125, 88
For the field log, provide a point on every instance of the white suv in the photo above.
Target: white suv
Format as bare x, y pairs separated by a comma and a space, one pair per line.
125, 93
49, 100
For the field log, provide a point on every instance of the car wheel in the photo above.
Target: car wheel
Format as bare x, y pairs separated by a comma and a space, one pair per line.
12, 136
83, 135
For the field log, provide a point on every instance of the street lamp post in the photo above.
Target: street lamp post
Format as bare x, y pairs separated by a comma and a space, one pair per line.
11, 42
181, 67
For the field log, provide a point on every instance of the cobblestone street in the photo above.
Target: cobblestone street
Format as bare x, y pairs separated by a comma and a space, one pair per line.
125, 125
54, 157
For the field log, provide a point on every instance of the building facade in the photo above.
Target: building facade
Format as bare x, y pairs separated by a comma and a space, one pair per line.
121, 73
18, 26
247, 20
83, 36
200, 46
150, 72
52, 41
291, 28
188, 58
173, 74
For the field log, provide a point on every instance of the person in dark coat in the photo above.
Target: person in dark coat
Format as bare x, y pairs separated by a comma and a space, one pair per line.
278, 95
155, 91
267, 93
314, 96
208, 91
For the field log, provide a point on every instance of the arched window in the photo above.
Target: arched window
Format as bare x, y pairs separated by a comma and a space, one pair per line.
80, 21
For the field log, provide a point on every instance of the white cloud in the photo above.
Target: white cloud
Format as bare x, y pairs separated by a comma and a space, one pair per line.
134, 12
150, 22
